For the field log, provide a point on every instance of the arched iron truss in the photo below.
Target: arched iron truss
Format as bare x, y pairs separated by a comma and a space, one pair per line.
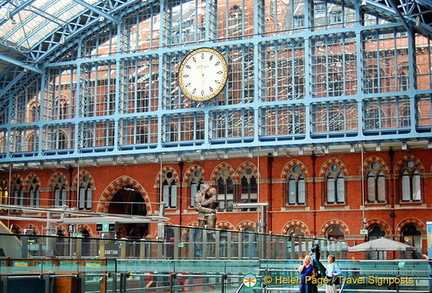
43, 42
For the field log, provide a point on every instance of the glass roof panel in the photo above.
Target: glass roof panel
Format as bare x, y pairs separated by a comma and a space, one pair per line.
26, 26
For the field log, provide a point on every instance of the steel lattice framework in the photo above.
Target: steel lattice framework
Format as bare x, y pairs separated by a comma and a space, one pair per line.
96, 80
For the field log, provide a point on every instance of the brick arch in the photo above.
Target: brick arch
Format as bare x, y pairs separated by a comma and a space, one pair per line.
223, 224
335, 222
288, 225
191, 170
86, 227
375, 158
18, 227
79, 176
61, 227
31, 226
407, 157
165, 170
246, 164
244, 224
419, 224
221, 166
15, 177
382, 223
28, 179
117, 184
331, 161
290, 164
52, 180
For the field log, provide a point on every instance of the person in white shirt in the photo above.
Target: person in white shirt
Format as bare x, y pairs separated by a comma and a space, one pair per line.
331, 272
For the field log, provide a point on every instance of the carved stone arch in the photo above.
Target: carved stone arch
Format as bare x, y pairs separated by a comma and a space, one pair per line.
27, 181
288, 225
290, 164
244, 165
191, 170
34, 227
335, 222
246, 223
117, 184
60, 227
375, 158
17, 227
382, 223
331, 161
225, 224
86, 227
419, 224
219, 167
409, 157
165, 170
16, 177
52, 180
81, 175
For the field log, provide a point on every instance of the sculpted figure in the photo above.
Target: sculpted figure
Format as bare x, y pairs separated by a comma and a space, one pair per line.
206, 204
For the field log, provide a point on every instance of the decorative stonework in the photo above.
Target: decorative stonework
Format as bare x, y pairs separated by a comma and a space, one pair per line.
419, 224
117, 184
409, 157
81, 174
379, 222
189, 172
374, 158
335, 222
28, 180
221, 166
52, 181
247, 164
295, 223
333, 160
245, 224
287, 168
165, 170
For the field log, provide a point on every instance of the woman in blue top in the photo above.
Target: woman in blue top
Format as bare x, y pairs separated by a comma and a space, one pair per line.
332, 271
307, 272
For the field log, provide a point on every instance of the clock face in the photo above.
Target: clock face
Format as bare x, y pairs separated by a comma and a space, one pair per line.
203, 74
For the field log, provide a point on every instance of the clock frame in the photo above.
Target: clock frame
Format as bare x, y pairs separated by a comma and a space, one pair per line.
203, 74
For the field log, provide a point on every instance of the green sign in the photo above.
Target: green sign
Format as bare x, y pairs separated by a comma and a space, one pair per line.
105, 226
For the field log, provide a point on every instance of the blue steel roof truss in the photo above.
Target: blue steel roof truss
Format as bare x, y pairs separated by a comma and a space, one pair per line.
52, 49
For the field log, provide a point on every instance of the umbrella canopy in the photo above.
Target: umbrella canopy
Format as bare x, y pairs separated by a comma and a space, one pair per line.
381, 244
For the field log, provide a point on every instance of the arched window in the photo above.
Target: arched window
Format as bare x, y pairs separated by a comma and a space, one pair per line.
4, 192
249, 187
403, 77
34, 193
195, 184
334, 232
295, 187
85, 194
60, 193
375, 232
410, 183
335, 185
412, 236
376, 186
18, 193
169, 190
225, 190
296, 230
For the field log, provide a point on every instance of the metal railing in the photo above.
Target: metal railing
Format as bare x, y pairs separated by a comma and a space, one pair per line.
176, 243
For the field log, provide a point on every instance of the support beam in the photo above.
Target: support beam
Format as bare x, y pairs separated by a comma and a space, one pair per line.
21, 64
98, 11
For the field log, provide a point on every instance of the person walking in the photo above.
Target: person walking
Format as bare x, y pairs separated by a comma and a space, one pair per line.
333, 274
